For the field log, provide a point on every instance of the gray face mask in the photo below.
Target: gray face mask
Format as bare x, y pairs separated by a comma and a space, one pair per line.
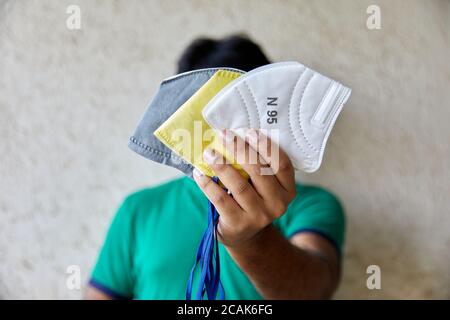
172, 94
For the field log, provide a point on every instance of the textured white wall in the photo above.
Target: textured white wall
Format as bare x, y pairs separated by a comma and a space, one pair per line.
70, 99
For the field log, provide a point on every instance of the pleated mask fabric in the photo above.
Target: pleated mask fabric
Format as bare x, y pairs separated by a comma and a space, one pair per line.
298, 103
186, 132
171, 95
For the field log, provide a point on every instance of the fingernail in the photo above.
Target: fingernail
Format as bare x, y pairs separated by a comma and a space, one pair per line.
209, 156
198, 173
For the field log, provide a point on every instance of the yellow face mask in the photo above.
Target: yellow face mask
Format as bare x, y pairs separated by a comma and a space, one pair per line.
188, 134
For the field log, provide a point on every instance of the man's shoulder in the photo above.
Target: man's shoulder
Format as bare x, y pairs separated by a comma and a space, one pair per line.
166, 192
311, 189
314, 193
318, 210
159, 192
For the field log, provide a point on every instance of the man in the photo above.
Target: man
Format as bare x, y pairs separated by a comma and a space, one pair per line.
279, 239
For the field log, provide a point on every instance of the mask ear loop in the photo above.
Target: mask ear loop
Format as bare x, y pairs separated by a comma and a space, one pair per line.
208, 260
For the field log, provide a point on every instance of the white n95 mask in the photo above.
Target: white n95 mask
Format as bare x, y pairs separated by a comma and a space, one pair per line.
296, 102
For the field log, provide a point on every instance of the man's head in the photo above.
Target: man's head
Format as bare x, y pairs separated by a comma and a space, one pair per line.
234, 51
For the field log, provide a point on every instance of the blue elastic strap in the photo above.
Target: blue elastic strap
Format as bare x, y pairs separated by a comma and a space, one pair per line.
208, 260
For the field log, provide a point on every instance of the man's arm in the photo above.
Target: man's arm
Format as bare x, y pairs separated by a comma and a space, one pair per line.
93, 293
306, 267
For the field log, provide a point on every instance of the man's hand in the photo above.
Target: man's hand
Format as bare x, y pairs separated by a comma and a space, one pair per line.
252, 206
303, 267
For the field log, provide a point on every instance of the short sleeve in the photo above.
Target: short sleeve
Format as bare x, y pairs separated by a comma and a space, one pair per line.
315, 210
113, 272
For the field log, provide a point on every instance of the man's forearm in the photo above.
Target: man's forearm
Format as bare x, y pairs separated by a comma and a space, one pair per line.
280, 270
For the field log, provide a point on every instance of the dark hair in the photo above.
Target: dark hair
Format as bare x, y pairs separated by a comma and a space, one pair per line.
235, 51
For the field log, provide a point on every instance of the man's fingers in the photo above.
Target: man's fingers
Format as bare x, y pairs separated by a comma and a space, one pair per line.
224, 203
277, 159
239, 187
260, 173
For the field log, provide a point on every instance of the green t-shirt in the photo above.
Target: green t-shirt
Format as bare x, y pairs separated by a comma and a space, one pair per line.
151, 245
